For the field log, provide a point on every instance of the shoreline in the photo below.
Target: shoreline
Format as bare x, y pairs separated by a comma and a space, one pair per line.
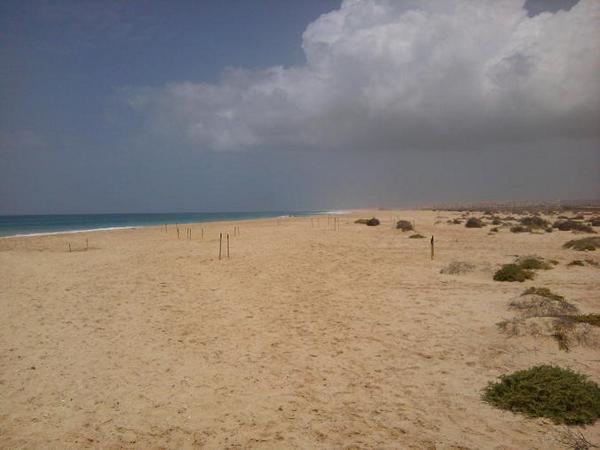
142, 226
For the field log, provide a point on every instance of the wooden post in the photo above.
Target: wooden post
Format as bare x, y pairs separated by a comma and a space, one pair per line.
227, 245
165, 227
202, 234
69, 247
177, 232
432, 247
86, 244
220, 244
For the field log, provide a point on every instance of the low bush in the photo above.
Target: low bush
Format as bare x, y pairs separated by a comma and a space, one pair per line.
404, 225
588, 243
513, 272
372, 222
576, 262
558, 394
416, 236
534, 222
473, 222
541, 302
520, 229
571, 225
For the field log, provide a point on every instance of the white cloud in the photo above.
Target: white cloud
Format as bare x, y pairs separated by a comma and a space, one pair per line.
384, 74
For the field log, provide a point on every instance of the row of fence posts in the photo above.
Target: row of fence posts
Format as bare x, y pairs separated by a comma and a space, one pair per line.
331, 222
236, 232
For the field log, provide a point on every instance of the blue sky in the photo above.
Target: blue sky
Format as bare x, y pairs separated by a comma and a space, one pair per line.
156, 106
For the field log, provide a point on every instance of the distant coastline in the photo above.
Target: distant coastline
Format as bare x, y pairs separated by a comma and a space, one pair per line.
36, 225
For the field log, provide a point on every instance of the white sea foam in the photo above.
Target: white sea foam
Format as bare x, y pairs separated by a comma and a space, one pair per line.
51, 233
339, 211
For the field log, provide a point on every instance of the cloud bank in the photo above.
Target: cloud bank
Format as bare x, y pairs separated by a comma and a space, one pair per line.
390, 75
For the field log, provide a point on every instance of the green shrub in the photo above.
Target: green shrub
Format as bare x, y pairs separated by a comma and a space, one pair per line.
547, 391
513, 272
473, 222
588, 243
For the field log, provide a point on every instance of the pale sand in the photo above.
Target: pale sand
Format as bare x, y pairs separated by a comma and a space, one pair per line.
305, 338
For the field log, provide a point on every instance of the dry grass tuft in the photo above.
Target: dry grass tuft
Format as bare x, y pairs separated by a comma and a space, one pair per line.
458, 268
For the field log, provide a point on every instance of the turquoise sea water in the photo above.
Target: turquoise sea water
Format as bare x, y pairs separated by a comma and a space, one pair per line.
40, 224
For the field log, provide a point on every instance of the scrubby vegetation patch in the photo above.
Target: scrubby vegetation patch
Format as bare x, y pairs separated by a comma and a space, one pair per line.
588, 243
572, 225
474, 222
513, 272
404, 225
534, 222
561, 395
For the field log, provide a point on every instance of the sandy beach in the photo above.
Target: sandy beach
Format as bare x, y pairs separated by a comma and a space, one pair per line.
306, 337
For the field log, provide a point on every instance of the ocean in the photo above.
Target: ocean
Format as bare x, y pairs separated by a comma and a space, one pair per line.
61, 223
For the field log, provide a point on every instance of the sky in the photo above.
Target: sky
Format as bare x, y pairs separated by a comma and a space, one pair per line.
173, 106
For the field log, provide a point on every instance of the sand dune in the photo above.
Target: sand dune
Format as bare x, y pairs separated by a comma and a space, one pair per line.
305, 338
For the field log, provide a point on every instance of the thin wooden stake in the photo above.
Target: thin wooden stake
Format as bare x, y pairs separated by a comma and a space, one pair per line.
177, 232
86, 244
220, 244
227, 245
202, 234
69, 247
432, 247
